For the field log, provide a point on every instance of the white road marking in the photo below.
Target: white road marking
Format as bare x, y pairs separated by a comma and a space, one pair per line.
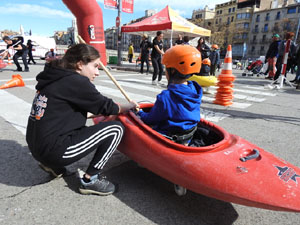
14, 110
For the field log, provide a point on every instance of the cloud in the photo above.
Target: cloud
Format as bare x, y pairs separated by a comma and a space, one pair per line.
34, 10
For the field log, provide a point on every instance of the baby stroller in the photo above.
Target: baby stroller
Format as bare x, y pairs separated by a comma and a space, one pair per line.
255, 68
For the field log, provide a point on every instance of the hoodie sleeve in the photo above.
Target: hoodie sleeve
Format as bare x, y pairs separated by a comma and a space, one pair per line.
156, 114
80, 92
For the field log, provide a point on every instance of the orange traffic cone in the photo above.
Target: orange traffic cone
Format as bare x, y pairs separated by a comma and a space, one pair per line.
9, 61
224, 95
17, 81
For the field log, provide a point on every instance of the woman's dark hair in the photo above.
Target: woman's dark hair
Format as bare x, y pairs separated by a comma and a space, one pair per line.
201, 39
158, 33
80, 52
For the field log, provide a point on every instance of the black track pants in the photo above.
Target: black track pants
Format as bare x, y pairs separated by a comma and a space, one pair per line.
102, 138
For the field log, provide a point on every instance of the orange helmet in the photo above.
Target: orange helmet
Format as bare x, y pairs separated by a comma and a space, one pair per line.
184, 58
206, 61
215, 46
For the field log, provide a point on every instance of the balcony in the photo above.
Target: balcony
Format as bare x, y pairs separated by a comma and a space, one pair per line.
262, 52
264, 30
253, 41
255, 31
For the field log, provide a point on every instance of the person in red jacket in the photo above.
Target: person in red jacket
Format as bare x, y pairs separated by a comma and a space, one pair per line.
57, 134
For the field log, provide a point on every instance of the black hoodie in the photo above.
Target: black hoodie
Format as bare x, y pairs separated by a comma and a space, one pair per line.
60, 106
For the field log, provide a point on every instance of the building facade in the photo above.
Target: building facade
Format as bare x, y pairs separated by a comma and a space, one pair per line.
268, 22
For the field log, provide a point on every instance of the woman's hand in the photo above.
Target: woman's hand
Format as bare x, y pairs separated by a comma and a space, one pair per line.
124, 108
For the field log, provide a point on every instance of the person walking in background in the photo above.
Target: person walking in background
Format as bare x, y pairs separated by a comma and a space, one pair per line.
145, 47
281, 50
156, 55
203, 48
272, 55
214, 59
130, 52
29, 47
21, 51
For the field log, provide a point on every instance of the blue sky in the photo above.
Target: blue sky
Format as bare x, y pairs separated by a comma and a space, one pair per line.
44, 17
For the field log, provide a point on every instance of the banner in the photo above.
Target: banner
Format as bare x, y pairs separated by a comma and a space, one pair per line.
127, 6
110, 4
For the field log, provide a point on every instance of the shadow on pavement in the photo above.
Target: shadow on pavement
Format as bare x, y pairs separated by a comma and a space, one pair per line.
155, 198
18, 167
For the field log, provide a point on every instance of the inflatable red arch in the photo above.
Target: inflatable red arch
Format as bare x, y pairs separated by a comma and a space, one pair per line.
90, 23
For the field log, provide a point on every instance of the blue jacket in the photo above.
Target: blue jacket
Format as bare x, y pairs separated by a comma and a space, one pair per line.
214, 57
176, 109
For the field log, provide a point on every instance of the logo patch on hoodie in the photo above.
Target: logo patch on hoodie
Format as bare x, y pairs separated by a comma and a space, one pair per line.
38, 106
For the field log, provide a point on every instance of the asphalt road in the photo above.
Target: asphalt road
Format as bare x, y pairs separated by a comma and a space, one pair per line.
268, 118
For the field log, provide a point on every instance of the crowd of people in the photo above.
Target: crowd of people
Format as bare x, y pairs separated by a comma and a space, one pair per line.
153, 52
211, 56
275, 58
23, 51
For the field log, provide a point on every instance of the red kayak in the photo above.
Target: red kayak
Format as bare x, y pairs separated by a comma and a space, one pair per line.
232, 169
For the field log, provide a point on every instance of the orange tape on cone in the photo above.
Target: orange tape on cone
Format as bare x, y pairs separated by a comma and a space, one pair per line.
16, 81
224, 95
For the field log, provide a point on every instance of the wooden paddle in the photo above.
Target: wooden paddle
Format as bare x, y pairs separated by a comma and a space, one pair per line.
108, 74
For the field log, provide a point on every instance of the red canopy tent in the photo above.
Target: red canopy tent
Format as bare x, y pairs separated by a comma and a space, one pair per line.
168, 21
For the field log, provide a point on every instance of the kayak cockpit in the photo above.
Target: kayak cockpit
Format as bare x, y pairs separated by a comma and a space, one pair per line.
207, 137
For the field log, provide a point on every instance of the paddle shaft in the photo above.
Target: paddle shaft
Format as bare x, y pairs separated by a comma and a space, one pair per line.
109, 74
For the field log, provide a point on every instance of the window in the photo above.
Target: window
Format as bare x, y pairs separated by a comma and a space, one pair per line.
266, 28
264, 37
220, 20
253, 49
220, 11
229, 10
254, 38
233, 9
268, 17
277, 16
245, 35
246, 25
216, 21
256, 28
299, 10
262, 48
232, 18
291, 10
228, 20
257, 18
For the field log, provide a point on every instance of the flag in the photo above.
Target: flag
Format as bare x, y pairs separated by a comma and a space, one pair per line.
110, 4
127, 6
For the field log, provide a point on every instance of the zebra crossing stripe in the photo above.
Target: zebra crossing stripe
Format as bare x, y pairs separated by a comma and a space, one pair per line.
252, 92
137, 85
14, 110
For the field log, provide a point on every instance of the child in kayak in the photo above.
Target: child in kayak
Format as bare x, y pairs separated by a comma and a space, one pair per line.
176, 111
57, 134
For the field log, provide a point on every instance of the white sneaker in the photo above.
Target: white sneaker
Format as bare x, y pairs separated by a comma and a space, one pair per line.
154, 82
